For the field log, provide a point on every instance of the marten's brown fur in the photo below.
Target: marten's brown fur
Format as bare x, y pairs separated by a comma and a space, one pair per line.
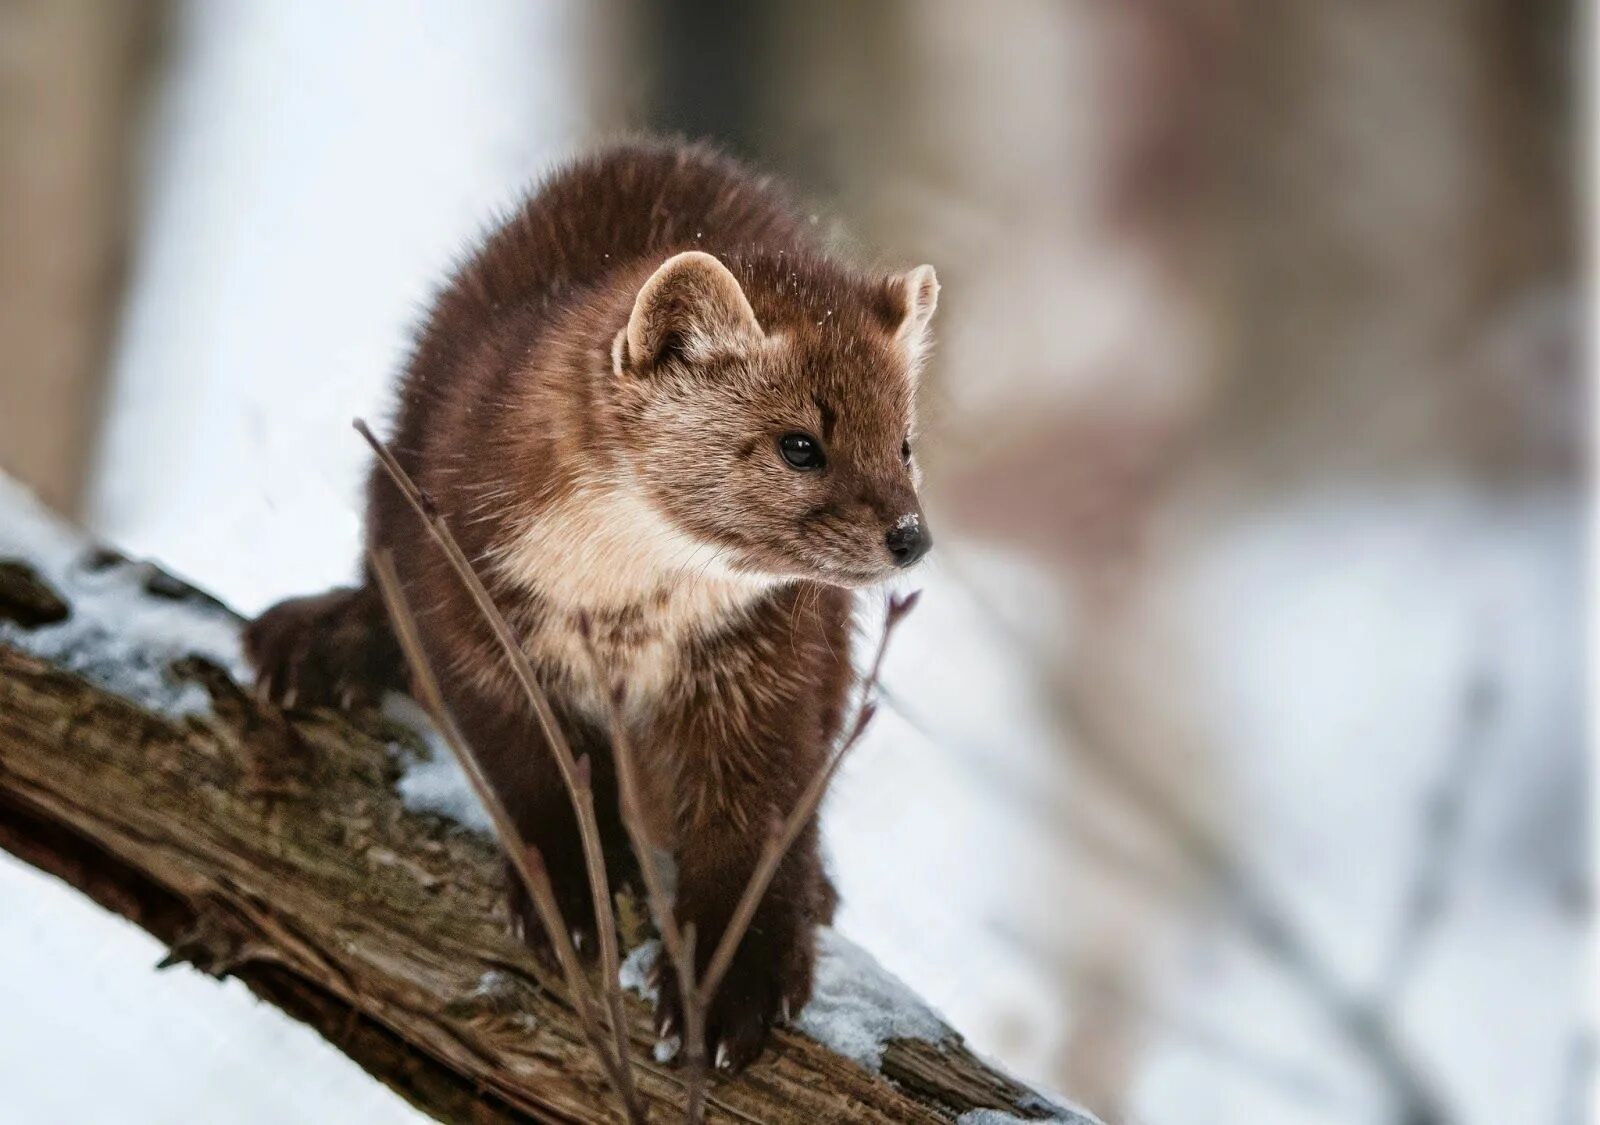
599, 405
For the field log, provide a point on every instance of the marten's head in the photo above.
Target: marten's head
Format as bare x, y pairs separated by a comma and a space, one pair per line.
770, 419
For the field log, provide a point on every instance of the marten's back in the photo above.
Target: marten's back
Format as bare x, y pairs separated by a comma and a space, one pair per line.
619, 204
590, 218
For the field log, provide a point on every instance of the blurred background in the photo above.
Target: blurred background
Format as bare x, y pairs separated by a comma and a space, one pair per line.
1234, 768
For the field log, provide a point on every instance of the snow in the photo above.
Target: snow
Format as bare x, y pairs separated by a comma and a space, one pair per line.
1001, 1117
92, 1032
635, 970
434, 783
856, 1007
117, 635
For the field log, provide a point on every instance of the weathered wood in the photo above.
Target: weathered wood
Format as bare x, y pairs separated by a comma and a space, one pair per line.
272, 846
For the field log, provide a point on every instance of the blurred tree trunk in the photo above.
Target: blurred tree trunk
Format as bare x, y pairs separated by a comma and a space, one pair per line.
1401, 222
74, 74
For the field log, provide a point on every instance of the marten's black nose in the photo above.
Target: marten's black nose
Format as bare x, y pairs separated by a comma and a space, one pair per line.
908, 540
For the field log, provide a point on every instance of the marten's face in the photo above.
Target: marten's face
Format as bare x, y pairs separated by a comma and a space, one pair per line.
786, 453
792, 458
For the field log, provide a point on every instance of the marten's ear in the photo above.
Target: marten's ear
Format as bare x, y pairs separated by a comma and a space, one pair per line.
691, 304
909, 301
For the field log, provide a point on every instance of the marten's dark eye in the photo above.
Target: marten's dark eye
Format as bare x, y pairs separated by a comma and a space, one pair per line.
802, 451
905, 451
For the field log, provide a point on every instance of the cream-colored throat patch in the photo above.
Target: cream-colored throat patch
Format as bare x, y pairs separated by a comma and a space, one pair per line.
648, 588
607, 547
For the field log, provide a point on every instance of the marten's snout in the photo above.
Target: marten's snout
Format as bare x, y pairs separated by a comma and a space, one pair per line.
908, 540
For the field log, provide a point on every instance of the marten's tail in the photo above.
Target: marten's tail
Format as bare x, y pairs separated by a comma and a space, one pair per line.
328, 650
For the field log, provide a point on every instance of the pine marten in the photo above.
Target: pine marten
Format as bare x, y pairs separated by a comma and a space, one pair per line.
649, 407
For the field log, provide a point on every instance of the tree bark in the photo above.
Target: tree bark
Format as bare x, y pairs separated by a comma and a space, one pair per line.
272, 846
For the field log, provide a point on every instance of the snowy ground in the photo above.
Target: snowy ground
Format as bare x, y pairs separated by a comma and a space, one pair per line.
92, 1032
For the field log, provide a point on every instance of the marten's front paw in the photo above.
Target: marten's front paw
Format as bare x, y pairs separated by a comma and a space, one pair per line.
320, 651
764, 987
577, 910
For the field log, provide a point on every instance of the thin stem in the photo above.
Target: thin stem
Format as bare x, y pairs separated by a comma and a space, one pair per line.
578, 788
676, 942
1444, 823
525, 859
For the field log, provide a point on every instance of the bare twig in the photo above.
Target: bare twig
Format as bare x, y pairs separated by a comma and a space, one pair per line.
577, 781
677, 943
786, 833
694, 1028
525, 859
1443, 815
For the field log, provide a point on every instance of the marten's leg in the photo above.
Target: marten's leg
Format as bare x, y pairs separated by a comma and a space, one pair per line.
746, 746
745, 762
769, 979
330, 650
544, 818
522, 769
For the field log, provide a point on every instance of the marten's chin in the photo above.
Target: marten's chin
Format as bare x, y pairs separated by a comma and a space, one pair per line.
778, 567
854, 577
